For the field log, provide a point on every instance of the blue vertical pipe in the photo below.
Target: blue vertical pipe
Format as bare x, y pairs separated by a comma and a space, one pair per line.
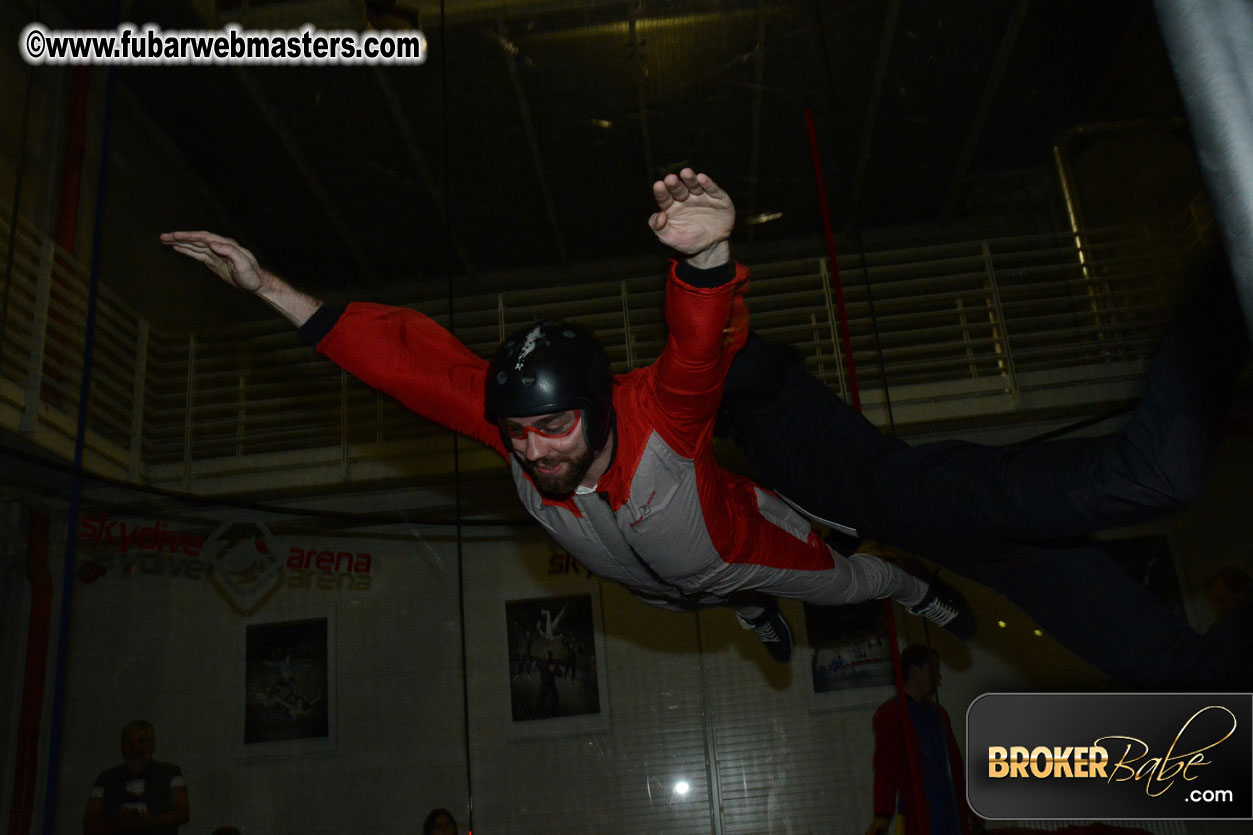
76, 482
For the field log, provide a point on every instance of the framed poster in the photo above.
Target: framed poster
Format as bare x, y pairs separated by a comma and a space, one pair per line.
555, 664
851, 664
289, 703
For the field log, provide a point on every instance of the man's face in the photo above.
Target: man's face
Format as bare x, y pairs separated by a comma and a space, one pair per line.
138, 743
444, 825
925, 677
931, 673
551, 449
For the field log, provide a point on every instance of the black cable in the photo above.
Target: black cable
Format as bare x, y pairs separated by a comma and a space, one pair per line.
874, 327
456, 439
854, 228
1082, 424
240, 503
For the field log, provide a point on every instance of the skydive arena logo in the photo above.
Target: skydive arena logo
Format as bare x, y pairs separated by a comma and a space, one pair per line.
1110, 756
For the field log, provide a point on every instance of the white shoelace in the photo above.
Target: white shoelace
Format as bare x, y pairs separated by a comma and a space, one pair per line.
765, 632
938, 612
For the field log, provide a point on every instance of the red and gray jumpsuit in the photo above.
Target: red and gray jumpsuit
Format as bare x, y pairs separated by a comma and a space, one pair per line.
664, 520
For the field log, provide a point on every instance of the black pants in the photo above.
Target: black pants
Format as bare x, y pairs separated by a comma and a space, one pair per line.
1007, 516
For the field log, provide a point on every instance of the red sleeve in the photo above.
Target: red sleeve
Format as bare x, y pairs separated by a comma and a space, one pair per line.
707, 327
405, 354
889, 757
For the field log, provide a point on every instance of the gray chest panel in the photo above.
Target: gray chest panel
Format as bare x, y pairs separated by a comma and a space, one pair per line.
656, 542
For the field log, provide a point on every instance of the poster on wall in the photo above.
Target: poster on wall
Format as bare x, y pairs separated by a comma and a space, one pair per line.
852, 653
288, 680
556, 666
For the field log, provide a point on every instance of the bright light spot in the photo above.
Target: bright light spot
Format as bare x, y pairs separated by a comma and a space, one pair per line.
1039, 633
764, 217
600, 123
1002, 624
682, 787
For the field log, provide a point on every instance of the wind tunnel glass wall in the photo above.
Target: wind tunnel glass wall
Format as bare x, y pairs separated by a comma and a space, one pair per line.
336, 615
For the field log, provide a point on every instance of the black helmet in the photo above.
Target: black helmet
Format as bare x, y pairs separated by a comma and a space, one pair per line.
551, 367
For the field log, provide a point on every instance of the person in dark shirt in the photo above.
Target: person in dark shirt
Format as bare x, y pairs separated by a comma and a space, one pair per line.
142, 795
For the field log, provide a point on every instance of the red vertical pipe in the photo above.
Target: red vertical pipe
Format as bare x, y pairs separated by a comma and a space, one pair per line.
846, 344
72, 164
27, 761
837, 286
66, 231
916, 790
38, 629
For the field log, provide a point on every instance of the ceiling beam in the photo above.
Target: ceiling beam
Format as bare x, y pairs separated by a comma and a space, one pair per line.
419, 162
528, 126
990, 89
876, 93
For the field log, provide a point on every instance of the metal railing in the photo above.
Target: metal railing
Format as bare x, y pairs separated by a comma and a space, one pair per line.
41, 357
992, 319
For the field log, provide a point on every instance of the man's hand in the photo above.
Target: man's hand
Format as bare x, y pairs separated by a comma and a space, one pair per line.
694, 216
138, 819
878, 826
230, 261
238, 267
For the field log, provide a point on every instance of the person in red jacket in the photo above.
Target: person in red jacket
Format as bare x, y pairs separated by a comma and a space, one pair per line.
920, 742
618, 469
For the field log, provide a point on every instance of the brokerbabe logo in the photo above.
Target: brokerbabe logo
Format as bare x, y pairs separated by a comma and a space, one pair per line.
1110, 755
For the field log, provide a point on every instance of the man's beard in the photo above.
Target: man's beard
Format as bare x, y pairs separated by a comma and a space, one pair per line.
561, 485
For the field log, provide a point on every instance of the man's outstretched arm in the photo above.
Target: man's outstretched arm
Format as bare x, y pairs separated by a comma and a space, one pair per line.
398, 351
705, 311
238, 267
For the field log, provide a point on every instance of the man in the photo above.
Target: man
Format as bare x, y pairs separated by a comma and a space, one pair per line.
141, 795
921, 745
618, 469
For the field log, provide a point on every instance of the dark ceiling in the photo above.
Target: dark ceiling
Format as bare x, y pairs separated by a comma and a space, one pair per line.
529, 137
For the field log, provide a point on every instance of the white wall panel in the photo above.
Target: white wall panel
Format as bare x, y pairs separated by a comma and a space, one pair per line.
687, 697
171, 650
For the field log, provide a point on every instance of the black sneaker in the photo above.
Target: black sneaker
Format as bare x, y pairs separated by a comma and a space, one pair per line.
772, 630
944, 606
